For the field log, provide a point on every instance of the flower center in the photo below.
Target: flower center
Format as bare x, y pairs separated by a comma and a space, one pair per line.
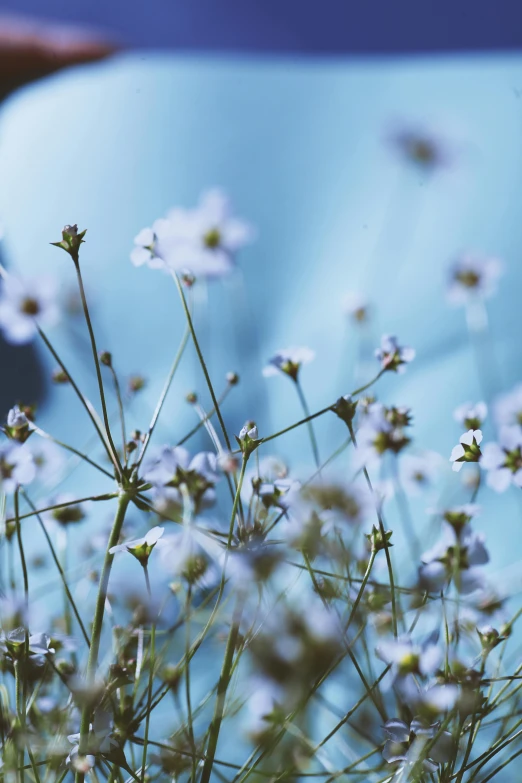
30, 306
468, 278
422, 151
212, 238
514, 460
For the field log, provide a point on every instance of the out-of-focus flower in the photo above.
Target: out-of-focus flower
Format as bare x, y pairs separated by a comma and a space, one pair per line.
140, 548
13, 644
24, 304
392, 356
405, 742
191, 553
472, 277
421, 148
356, 307
507, 408
467, 450
17, 466
288, 361
407, 657
382, 431
455, 556
203, 240
419, 472
471, 416
70, 513
48, 459
503, 460
174, 469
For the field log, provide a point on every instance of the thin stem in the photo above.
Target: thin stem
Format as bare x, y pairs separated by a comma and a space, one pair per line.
116, 459
123, 502
224, 681
80, 454
383, 536
200, 357
163, 395
297, 424
311, 433
202, 422
80, 396
65, 504
190, 719
121, 411
152, 650
60, 570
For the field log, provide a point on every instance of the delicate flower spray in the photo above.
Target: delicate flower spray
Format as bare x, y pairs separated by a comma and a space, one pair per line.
237, 620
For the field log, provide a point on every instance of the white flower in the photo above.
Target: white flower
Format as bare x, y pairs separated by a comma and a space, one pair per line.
471, 416
191, 553
467, 450
405, 742
140, 548
174, 467
503, 460
248, 431
419, 471
456, 556
24, 304
69, 513
203, 240
48, 459
507, 408
420, 147
288, 361
16, 419
356, 306
472, 277
17, 466
392, 356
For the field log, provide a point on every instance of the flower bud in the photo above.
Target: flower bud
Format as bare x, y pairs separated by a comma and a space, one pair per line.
71, 241
191, 398
136, 383
232, 378
60, 376
106, 358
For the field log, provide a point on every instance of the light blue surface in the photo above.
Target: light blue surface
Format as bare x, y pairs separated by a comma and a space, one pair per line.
301, 148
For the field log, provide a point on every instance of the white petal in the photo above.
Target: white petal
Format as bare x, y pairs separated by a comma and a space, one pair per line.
467, 438
499, 480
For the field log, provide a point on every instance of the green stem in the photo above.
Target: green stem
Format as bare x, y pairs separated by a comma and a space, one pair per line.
163, 395
311, 433
60, 570
123, 502
120, 411
152, 651
224, 681
384, 539
200, 357
115, 457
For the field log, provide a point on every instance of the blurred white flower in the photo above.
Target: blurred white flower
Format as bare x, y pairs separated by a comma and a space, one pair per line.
356, 306
392, 356
455, 556
288, 361
472, 277
503, 460
507, 408
471, 416
17, 466
203, 240
24, 304
48, 459
419, 472
421, 147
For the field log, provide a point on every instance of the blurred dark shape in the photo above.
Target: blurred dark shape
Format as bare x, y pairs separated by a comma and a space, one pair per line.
30, 49
329, 27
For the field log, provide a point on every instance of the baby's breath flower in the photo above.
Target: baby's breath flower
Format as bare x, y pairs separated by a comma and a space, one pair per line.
467, 450
392, 356
140, 548
503, 460
288, 361
471, 416
24, 304
356, 307
472, 277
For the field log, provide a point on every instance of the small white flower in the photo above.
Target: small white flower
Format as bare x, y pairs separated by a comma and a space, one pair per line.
24, 304
203, 240
421, 148
419, 471
140, 548
356, 307
17, 418
249, 431
507, 408
455, 556
471, 416
472, 277
503, 460
17, 466
288, 361
467, 450
392, 356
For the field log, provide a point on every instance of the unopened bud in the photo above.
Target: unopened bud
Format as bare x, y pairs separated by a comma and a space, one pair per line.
106, 358
232, 378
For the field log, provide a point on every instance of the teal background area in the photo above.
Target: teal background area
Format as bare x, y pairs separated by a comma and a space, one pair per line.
302, 147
